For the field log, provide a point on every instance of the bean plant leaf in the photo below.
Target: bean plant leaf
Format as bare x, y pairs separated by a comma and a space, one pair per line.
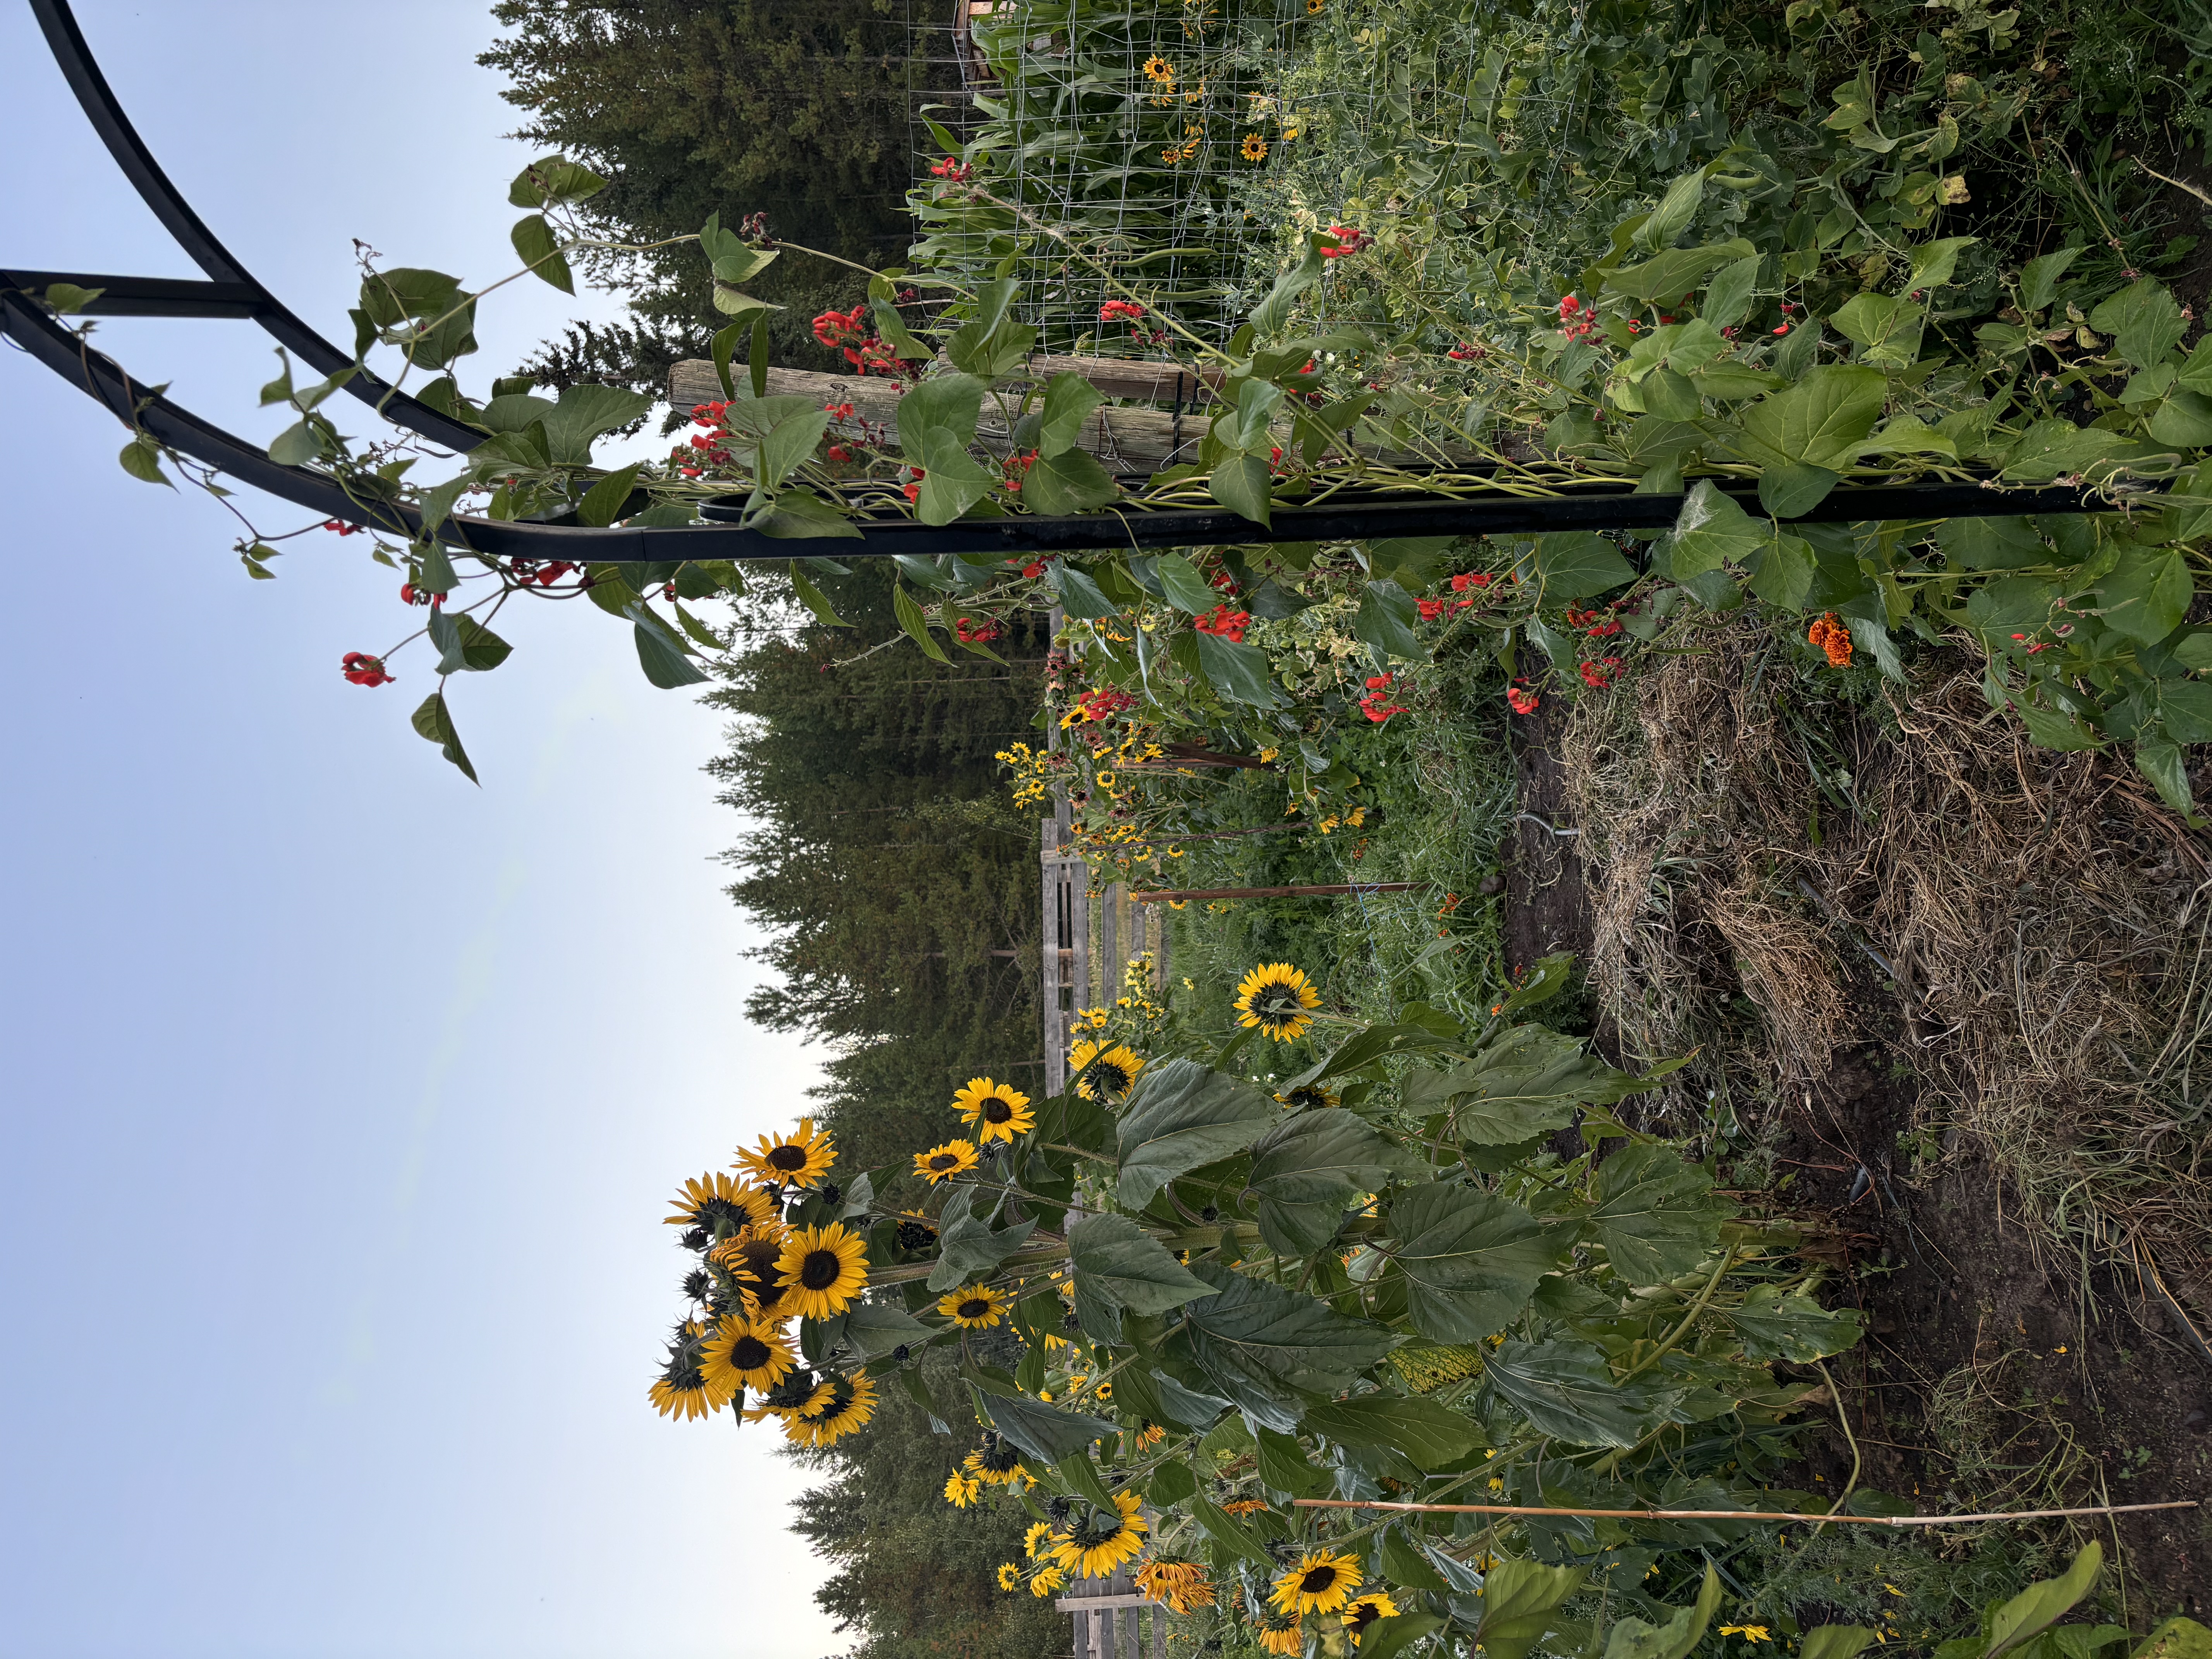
1070, 481
2040, 1606
1579, 565
1711, 531
1069, 403
1655, 1215
1385, 621
1821, 419
2148, 595
1566, 1390
1238, 671
1182, 1115
1520, 1602
1120, 1259
433, 720
2039, 278
2144, 321
1471, 1259
659, 654
540, 249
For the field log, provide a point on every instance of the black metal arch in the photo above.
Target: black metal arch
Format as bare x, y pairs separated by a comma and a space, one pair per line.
231, 291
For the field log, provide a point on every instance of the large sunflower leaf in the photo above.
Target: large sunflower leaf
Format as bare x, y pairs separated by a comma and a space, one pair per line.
1310, 1166
1529, 1081
1566, 1390
967, 1245
1428, 1432
1270, 1349
1182, 1115
872, 1330
1633, 1638
1471, 1259
1118, 1258
1519, 1600
1655, 1215
1044, 1433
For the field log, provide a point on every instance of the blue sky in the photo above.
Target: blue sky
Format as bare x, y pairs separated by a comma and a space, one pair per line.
343, 1099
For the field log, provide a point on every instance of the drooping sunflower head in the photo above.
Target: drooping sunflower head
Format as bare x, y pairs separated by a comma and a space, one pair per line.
821, 1269
1282, 1636
1105, 1072
1358, 1616
1184, 1585
1045, 1580
801, 1394
977, 1308
1009, 1575
744, 1353
852, 1402
1033, 1539
999, 1463
719, 1207
961, 1490
749, 1259
793, 1160
942, 1163
915, 1231
995, 1111
1306, 1098
1321, 1582
683, 1388
1277, 1001
1097, 1540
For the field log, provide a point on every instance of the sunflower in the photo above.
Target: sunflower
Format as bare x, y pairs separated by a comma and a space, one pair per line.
791, 1160
998, 1464
821, 1270
683, 1388
1254, 148
939, 1163
1277, 999
915, 1231
1279, 1636
850, 1407
720, 1206
961, 1490
1046, 1580
743, 1354
995, 1111
1183, 1585
1376, 1604
1321, 1582
974, 1308
1009, 1575
1096, 1546
1105, 1073
750, 1259
1035, 1537
1306, 1098
1158, 69
802, 1393
1244, 1506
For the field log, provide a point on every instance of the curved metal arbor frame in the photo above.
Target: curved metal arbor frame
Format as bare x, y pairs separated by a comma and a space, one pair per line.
231, 291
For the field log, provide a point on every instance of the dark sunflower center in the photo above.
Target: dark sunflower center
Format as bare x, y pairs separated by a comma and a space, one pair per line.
974, 1308
760, 1258
788, 1158
997, 1110
945, 1161
1318, 1581
835, 1409
767, 1294
820, 1269
1364, 1615
1110, 1077
1096, 1529
1277, 1000
749, 1353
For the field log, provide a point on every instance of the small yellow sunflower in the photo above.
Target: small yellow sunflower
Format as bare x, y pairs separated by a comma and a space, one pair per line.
720, 1206
801, 1395
1306, 1098
995, 1111
1158, 69
1184, 1585
975, 1308
998, 1464
961, 1490
1035, 1537
683, 1388
942, 1162
791, 1160
1321, 1582
1254, 148
849, 1407
1098, 1544
1046, 1580
1009, 1575
1280, 1637
1376, 1604
821, 1270
743, 1354
1106, 1073
1277, 1001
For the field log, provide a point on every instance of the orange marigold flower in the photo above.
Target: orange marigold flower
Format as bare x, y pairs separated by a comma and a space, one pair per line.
1834, 638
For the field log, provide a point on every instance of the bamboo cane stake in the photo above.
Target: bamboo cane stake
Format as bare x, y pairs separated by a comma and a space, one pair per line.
1741, 1514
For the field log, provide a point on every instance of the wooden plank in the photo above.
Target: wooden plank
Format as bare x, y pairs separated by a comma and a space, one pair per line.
1129, 1599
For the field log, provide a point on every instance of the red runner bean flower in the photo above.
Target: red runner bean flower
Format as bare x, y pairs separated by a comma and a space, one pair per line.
362, 669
